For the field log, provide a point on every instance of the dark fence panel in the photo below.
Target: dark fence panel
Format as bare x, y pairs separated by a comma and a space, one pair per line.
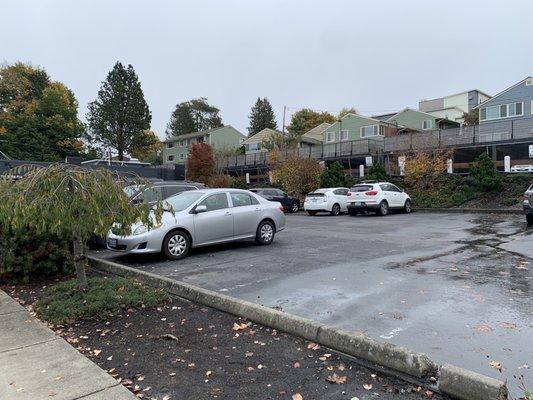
164, 172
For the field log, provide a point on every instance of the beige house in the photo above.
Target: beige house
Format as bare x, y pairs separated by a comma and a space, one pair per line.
254, 143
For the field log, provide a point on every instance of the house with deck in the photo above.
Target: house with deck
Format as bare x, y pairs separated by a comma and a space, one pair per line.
255, 143
176, 148
409, 120
453, 107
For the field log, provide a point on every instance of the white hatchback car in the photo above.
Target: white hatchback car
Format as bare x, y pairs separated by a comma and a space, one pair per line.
332, 200
379, 197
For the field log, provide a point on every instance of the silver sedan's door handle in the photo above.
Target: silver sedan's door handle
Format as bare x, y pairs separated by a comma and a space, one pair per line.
228, 213
257, 209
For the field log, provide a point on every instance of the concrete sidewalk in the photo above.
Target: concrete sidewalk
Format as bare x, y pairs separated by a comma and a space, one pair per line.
37, 364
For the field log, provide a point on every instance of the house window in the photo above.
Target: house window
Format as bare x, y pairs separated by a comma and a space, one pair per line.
344, 134
529, 82
330, 137
182, 143
253, 147
170, 158
371, 130
182, 156
427, 124
170, 145
382, 130
502, 111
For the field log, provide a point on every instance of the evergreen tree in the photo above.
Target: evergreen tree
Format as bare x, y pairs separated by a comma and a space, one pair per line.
193, 116
120, 114
261, 117
334, 176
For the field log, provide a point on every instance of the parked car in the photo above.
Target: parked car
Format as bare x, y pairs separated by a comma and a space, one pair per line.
289, 203
379, 197
332, 200
159, 190
203, 217
522, 168
528, 204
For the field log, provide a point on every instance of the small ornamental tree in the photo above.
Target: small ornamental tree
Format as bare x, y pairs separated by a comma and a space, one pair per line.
423, 167
298, 176
485, 174
70, 202
201, 163
334, 176
377, 172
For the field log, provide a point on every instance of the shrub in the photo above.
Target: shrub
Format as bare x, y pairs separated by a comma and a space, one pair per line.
423, 167
64, 303
239, 183
220, 181
298, 175
485, 174
334, 176
25, 254
201, 163
377, 173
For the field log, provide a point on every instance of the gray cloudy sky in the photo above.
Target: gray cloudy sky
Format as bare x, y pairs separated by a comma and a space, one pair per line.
378, 56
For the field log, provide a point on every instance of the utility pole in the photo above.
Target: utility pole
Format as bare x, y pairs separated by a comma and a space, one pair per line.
283, 127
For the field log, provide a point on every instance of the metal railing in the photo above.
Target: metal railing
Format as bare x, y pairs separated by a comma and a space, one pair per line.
360, 147
463, 136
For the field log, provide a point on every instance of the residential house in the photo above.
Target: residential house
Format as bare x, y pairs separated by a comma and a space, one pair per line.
453, 107
353, 127
515, 102
254, 143
408, 120
313, 137
176, 150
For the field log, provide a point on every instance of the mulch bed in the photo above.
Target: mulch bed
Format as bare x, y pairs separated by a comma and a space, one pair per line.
185, 351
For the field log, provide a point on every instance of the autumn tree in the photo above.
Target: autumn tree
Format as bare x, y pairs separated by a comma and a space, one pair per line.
72, 203
347, 110
307, 119
298, 175
201, 163
261, 117
120, 115
148, 148
423, 167
38, 117
193, 116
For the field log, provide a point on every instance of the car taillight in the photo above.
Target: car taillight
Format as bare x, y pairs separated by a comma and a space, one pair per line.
281, 209
371, 193
349, 194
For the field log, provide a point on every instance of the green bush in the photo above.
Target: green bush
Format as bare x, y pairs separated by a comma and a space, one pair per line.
239, 183
334, 176
24, 254
65, 303
485, 174
377, 173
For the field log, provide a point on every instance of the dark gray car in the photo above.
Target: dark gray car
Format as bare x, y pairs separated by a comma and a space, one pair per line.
158, 191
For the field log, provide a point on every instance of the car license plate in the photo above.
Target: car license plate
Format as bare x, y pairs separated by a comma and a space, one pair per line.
112, 242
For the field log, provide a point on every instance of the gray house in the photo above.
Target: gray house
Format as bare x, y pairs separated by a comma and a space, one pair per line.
514, 102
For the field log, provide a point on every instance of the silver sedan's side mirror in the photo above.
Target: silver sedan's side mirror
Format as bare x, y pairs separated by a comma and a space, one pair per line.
200, 209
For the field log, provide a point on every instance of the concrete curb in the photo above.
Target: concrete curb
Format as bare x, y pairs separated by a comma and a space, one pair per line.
455, 381
471, 210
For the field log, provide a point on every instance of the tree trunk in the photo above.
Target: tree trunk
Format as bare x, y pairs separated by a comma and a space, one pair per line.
120, 154
79, 261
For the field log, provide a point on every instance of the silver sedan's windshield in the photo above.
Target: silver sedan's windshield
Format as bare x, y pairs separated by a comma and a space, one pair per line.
183, 200
131, 190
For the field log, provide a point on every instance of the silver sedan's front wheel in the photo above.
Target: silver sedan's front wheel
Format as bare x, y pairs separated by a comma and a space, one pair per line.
265, 232
176, 245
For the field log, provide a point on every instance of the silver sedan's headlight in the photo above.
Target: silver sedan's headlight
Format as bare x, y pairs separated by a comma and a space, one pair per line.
140, 230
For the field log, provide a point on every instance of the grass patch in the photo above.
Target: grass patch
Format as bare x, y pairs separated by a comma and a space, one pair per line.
64, 303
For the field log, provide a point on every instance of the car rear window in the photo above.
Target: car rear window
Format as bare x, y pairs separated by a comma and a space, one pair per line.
361, 188
313, 194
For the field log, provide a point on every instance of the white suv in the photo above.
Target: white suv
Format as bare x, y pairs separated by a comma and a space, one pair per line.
332, 200
379, 197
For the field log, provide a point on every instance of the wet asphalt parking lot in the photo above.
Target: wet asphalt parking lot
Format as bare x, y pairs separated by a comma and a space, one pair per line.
458, 287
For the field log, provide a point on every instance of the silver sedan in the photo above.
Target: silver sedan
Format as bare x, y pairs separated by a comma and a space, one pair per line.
201, 218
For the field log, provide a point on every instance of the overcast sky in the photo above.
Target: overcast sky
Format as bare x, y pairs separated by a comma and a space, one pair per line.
377, 56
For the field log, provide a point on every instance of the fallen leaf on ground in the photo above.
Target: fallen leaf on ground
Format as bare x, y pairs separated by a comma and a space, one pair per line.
208, 373
429, 393
166, 397
483, 328
336, 379
109, 358
140, 378
296, 364
297, 396
96, 352
367, 386
496, 365
312, 346
239, 327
